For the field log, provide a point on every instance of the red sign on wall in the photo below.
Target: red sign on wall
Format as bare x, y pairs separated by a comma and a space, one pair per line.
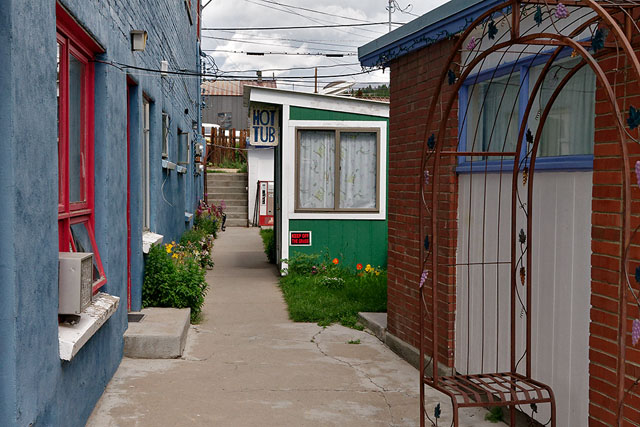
300, 238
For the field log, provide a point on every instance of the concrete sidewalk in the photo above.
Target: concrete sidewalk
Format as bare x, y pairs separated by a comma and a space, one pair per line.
246, 364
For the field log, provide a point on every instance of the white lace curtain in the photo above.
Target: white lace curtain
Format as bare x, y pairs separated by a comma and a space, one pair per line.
358, 171
316, 169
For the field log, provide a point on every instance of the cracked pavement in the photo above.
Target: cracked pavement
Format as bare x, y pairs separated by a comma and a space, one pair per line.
247, 364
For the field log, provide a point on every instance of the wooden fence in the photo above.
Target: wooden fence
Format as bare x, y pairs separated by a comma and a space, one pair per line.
226, 146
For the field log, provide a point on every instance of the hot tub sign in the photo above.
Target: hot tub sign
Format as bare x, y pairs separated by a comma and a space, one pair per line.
264, 125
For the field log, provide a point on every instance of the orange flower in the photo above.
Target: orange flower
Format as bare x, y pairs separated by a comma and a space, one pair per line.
335, 261
359, 267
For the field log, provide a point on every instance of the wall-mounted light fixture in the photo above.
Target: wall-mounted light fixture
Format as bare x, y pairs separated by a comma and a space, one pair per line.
138, 40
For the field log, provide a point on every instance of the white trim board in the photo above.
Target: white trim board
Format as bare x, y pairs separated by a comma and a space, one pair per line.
315, 101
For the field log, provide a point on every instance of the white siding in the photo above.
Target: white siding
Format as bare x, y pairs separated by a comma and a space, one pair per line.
561, 251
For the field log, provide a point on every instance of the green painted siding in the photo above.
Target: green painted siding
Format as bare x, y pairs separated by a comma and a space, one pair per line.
351, 241
300, 113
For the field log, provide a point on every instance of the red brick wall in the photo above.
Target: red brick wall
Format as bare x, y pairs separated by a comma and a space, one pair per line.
414, 79
606, 234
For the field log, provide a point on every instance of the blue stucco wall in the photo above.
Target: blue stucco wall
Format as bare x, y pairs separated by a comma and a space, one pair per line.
7, 219
36, 387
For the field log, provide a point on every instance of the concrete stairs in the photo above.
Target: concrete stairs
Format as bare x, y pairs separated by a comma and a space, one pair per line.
232, 188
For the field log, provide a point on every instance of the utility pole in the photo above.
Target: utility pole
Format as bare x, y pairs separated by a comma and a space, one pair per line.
316, 90
390, 5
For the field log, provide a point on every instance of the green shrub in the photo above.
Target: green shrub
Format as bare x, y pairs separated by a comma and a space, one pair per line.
193, 235
303, 264
269, 243
172, 280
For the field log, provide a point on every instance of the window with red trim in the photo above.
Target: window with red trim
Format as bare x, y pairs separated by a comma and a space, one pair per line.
76, 219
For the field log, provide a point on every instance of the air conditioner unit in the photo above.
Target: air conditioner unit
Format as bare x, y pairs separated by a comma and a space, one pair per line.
75, 282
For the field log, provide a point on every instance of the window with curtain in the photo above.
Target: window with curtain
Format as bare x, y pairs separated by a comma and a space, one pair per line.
337, 170
492, 115
565, 131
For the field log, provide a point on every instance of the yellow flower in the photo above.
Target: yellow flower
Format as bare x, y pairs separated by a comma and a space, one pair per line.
174, 256
168, 247
368, 268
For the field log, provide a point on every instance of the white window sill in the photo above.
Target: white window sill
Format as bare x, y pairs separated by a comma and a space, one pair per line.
149, 239
166, 164
71, 338
188, 216
181, 169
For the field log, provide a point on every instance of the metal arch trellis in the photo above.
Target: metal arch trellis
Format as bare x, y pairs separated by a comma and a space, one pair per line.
592, 30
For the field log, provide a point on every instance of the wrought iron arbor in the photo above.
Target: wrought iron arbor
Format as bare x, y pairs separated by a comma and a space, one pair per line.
542, 31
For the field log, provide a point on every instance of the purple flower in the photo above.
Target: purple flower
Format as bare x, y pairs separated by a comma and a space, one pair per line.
561, 11
638, 172
423, 278
472, 43
635, 332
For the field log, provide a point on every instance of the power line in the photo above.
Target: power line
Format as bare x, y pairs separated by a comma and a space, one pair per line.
328, 55
251, 41
314, 11
122, 66
299, 27
291, 10
293, 68
258, 37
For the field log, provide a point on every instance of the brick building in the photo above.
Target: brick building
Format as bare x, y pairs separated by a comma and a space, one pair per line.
97, 157
584, 208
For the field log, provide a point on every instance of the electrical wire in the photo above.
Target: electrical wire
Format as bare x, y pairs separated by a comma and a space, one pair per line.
249, 41
336, 54
299, 27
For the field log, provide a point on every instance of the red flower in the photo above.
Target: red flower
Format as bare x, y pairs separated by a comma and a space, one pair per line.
359, 267
335, 261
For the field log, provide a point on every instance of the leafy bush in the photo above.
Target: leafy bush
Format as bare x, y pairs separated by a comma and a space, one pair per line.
269, 243
172, 280
209, 218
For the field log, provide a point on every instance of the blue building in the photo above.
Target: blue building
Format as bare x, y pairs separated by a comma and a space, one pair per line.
98, 151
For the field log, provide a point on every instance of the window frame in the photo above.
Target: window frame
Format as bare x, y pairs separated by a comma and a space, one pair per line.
166, 133
73, 40
573, 162
146, 163
336, 193
184, 156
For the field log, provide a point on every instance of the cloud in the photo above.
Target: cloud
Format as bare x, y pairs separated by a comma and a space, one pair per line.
263, 13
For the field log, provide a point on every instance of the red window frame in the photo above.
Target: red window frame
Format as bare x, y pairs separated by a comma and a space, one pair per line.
72, 40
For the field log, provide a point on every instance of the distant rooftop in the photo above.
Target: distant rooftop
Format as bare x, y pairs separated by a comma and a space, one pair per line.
233, 87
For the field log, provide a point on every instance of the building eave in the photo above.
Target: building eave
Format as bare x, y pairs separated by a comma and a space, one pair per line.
440, 23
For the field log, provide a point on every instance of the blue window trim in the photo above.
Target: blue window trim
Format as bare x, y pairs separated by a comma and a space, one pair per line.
558, 163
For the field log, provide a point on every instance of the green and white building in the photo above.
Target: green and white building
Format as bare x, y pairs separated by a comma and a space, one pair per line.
330, 163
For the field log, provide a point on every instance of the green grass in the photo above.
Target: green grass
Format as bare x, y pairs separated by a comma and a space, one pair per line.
269, 243
309, 300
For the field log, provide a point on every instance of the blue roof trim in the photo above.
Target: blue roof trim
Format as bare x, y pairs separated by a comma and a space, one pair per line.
440, 23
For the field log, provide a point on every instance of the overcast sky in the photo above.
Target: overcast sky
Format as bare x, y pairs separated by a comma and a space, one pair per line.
275, 13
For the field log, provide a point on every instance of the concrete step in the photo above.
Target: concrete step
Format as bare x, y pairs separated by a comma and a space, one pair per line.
227, 186
236, 210
235, 204
220, 177
161, 334
236, 214
236, 223
227, 195
228, 203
